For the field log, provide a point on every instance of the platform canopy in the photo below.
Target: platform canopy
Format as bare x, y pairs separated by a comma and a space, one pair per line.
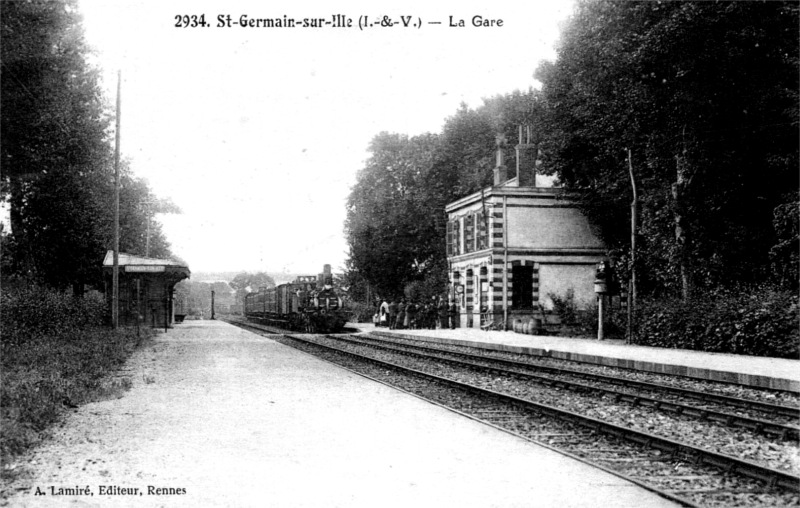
128, 263
146, 288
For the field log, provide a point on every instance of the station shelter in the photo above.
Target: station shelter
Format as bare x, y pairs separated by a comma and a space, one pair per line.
146, 288
512, 245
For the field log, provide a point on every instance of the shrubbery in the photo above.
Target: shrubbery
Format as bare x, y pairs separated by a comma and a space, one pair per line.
360, 312
34, 311
759, 321
565, 307
55, 352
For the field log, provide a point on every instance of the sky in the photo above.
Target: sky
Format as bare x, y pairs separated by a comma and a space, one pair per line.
257, 134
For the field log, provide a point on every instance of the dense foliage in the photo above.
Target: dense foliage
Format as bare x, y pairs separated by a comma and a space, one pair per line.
751, 321
57, 155
55, 352
392, 234
704, 95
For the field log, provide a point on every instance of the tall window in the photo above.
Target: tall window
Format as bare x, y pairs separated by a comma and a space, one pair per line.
456, 238
522, 287
480, 224
469, 233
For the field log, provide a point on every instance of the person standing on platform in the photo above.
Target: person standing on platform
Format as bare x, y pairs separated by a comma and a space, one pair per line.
392, 315
452, 314
442, 308
401, 315
384, 313
411, 315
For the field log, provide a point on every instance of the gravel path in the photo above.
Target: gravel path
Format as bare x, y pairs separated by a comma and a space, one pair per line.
180, 427
226, 418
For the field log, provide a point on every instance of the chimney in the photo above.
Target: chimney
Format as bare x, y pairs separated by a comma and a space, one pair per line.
500, 170
526, 159
325, 278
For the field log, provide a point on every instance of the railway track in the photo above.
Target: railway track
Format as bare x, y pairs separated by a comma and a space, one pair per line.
713, 407
782, 402
690, 475
791, 401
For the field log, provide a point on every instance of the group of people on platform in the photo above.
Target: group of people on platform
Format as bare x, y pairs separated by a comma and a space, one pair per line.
397, 315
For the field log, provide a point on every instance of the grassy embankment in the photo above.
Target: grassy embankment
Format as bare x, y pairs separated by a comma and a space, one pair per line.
57, 353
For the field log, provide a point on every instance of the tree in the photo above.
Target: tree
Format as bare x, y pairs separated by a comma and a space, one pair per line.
54, 140
396, 220
389, 223
704, 94
246, 282
56, 153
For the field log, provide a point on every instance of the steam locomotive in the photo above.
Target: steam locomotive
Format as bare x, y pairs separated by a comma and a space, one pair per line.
308, 304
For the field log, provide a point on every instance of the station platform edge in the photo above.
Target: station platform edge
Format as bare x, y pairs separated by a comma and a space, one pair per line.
760, 372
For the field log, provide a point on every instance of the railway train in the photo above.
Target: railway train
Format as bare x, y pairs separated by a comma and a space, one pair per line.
308, 304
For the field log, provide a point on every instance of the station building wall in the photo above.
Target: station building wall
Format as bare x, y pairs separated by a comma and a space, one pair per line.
536, 235
558, 279
544, 225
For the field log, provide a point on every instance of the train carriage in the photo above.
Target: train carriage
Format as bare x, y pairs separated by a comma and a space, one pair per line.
309, 303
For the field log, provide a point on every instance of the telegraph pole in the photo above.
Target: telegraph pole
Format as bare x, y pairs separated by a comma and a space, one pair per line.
212, 304
115, 271
632, 280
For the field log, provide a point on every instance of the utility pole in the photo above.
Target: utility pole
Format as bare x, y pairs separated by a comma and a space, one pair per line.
632, 281
115, 271
212, 304
149, 211
147, 238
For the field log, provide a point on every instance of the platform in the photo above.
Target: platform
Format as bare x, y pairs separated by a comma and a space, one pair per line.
236, 419
775, 373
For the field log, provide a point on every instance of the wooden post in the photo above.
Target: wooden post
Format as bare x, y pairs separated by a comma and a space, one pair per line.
632, 281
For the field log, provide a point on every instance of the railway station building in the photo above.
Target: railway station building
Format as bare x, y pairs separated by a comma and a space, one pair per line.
146, 289
511, 245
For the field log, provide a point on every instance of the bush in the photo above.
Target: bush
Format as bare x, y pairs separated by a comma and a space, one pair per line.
360, 312
34, 311
760, 321
424, 291
55, 351
565, 308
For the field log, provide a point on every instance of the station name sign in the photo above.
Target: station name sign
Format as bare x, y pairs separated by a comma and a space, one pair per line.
144, 268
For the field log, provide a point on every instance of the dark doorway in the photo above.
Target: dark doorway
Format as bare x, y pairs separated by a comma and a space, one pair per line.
522, 287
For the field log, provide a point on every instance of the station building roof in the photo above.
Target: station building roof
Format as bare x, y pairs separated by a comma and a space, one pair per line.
129, 263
